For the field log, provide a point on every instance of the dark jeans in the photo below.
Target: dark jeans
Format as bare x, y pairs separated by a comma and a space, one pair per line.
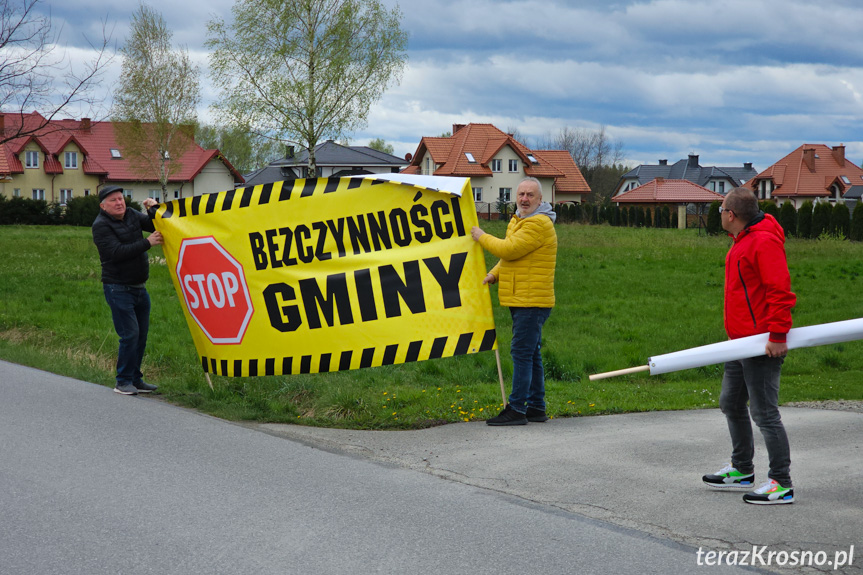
756, 380
130, 310
528, 376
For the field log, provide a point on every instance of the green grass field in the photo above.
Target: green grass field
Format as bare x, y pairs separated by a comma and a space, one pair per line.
622, 295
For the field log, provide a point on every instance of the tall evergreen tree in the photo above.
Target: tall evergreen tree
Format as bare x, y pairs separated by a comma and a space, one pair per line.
788, 219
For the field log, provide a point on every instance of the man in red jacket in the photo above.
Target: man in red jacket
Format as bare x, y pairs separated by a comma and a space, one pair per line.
758, 299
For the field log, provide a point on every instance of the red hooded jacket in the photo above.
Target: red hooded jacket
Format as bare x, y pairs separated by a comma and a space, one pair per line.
758, 296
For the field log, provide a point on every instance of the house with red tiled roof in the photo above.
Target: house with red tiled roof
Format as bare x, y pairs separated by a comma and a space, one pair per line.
72, 158
677, 194
496, 162
812, 172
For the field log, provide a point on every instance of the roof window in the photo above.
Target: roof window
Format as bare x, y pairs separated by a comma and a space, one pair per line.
845, 180
469, 157
115, 153
532, 159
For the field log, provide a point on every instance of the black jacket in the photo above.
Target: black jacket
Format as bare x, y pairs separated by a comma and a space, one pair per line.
122, 247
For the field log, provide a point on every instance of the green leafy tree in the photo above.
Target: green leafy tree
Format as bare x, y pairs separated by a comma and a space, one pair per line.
156, 100
770, 207
244, 149
788, 219
381, 146
856, 233
305, 70
804, 220
840, 221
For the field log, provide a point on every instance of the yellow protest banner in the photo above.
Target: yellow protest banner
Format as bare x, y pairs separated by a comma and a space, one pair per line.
329, 274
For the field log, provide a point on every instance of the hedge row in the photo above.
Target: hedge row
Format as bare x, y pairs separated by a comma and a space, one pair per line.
77, 211
633, 217
810, 221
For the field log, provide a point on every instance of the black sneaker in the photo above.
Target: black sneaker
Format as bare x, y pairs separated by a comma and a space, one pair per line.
508, 416
144, 387
729, 478
536, 415
126, 389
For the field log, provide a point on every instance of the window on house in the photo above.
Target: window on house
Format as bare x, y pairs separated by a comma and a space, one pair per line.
17, 193
176, 194
166, 154
31, 159
155, 194
65, 196
722, 188
469, 157
128, 194
428, 167
496, 165
38, 194
477, 194
513, 165
86, 192
115, 153
532, 159
846, 181
71, 160
505, 194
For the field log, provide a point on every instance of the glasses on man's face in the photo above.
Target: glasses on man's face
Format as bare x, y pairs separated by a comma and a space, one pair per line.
724, 209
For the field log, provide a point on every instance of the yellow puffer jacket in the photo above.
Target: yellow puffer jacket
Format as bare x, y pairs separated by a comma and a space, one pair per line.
527, 255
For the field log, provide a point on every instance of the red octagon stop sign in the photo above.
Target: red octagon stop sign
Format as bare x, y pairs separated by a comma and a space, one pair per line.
215, 290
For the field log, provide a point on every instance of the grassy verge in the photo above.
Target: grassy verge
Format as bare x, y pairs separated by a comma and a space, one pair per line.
623, 295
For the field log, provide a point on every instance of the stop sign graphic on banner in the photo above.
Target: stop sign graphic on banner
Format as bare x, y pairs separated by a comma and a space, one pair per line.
214, 288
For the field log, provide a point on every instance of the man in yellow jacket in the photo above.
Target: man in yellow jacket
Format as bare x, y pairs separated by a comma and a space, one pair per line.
525, 271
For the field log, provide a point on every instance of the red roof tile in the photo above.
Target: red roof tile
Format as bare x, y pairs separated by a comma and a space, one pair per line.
483, 142
95, 139
661, 191
810, 171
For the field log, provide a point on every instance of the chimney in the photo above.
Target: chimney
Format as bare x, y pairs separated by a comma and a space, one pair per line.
663, 162
2, 123
693, 161
85, 124
456, 128
659, 180
747, 165
839, 155
809, 158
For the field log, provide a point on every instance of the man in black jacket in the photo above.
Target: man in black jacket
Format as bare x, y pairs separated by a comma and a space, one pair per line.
117, 233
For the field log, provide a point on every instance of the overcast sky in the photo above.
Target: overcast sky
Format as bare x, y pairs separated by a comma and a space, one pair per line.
730, 80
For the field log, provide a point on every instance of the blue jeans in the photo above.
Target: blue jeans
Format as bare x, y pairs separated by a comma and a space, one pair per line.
756, 380
528, 376
130, 310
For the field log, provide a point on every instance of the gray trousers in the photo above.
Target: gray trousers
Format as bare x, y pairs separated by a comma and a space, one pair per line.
756, 380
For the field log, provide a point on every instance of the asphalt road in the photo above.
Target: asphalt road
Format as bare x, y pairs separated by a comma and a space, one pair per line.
94, 483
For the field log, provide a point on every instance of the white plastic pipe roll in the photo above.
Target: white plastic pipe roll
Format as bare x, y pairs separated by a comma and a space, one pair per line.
746, 347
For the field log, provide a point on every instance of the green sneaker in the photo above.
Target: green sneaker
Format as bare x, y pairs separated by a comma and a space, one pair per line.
729, 478
771, 493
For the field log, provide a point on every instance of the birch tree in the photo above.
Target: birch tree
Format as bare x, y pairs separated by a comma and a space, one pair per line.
304, 71
155, 104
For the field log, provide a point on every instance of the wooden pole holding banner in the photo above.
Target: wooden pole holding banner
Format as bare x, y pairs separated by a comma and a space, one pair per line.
500, 375
596, 376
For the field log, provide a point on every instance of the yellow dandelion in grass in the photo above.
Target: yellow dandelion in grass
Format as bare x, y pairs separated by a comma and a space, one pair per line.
481, 408
395, 412
591, 405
